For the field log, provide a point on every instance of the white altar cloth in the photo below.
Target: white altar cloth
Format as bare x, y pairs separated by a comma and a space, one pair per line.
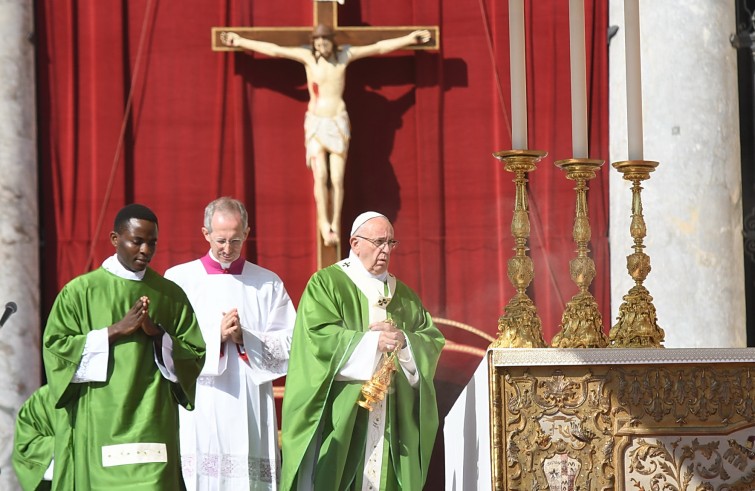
467, 436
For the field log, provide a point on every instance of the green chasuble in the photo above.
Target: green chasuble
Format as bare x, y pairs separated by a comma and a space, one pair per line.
118, 430
331, 319
34, 439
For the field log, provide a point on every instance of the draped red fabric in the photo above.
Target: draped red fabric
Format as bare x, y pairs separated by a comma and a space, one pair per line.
135, 107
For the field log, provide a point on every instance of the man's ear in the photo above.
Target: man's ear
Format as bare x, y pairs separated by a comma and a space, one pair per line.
114, 239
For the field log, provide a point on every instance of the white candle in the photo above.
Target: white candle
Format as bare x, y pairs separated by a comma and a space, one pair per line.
634, 78
518, 75
578, 78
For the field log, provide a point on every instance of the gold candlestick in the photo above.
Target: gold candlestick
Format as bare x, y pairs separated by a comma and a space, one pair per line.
581, 323
637, 322
520, 326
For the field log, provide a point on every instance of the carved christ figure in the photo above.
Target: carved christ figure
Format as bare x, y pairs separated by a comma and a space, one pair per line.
326, 125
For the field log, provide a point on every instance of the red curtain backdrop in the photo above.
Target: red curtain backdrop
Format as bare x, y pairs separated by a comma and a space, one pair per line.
135, 107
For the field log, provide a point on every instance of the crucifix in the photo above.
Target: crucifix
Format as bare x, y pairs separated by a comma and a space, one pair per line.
325, 52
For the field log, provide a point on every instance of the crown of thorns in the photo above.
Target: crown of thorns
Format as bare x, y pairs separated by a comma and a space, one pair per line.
323, 31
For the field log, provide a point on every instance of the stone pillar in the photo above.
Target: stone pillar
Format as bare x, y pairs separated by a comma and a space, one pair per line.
20, 364
692, 203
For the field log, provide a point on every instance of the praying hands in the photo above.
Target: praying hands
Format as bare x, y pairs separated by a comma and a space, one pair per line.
230, 327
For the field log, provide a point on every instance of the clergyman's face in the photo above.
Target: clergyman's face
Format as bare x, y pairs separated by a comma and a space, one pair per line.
375, 259
227, 236
324, 46
135, 244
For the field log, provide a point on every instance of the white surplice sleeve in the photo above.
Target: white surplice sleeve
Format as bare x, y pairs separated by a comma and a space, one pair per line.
94, 359
93, 363
165, 362
268, 350
363, 360
268, 353
409, 367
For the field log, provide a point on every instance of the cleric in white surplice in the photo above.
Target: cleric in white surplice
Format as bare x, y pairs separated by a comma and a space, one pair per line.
230, 442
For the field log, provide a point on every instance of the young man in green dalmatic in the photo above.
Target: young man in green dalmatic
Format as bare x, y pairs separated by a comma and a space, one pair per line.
122, 349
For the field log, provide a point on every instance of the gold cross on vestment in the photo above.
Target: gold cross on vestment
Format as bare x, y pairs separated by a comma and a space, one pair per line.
383, 302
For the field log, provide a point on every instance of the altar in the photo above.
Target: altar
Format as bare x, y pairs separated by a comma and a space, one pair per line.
599, 419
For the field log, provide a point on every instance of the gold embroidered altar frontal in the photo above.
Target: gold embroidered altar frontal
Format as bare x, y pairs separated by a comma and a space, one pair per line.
624, 419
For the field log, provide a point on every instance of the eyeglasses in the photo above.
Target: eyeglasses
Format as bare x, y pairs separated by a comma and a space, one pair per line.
378, 243
234, 243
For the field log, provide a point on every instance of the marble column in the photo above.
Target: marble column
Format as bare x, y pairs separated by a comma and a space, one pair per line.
20, 365
692, 203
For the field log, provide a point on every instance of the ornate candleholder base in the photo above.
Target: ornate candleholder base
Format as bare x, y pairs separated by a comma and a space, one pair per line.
637, 322
520, 326
581, 323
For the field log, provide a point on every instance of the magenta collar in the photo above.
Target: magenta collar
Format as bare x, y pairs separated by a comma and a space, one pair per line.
214, 267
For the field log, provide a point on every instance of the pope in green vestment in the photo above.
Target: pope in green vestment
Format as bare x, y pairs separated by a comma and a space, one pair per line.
122, 414
321, 421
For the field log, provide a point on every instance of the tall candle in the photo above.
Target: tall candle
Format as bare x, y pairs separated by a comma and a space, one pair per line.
518, 75
578, 78
634, 78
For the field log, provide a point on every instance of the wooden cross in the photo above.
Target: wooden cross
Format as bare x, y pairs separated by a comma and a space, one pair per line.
325, 12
